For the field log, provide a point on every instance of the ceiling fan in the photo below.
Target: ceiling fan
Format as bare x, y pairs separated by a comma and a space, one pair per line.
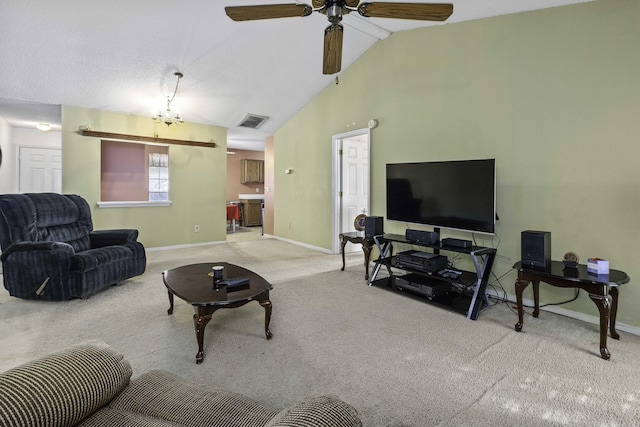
335, 10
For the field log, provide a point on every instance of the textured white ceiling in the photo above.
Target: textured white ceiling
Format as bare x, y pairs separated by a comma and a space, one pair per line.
121, 55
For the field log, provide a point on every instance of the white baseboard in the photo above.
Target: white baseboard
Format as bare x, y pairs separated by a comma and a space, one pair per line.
634, 330
189, 245
304, 245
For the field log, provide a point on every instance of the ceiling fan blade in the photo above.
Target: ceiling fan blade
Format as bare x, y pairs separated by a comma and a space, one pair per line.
317, 4
268, 11
418, 11
352, 3
332, 49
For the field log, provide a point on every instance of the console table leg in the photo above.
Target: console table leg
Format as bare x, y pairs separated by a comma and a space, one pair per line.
614, 312
520, 285
536, 297
367, 256
603, 302
343, 244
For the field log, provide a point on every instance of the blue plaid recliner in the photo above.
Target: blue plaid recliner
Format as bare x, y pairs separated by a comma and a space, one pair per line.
51, 252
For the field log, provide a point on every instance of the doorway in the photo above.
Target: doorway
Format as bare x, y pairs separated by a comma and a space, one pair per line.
351, 180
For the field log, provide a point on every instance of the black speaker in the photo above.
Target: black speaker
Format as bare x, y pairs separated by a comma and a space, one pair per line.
535, 248
373, 226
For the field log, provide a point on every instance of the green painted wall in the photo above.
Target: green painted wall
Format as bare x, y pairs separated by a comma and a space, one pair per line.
197, 178
553, 95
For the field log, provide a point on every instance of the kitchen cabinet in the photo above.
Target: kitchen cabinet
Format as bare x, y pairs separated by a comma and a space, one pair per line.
252, 171
251, 212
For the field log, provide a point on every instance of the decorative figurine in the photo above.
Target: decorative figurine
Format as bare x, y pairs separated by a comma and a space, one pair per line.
571, 260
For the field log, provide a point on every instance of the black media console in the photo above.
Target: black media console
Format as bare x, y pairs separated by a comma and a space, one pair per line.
461, 291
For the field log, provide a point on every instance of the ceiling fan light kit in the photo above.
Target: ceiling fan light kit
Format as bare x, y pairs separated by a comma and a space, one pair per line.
335, 10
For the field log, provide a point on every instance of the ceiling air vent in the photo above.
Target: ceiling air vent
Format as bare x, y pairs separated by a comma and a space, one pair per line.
253, 121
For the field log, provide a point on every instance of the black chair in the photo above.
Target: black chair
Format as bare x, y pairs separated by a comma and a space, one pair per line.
51, 252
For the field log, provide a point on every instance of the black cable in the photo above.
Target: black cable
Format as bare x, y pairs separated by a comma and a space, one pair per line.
506, 300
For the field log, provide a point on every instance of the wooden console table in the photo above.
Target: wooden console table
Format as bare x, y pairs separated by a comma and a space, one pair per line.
602, 289
367, 245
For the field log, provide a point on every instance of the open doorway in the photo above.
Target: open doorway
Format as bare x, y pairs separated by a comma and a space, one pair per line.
351, 180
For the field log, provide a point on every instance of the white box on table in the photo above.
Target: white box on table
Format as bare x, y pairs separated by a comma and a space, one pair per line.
597, 266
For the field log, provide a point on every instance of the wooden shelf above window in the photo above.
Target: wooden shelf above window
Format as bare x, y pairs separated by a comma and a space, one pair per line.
93, 133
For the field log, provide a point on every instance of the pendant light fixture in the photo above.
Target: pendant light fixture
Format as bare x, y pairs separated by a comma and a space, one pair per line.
167, 117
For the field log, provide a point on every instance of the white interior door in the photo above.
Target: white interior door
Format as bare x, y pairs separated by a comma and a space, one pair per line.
40, 170
354, 182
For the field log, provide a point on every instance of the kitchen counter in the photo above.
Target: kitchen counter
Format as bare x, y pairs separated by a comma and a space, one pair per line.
255, 196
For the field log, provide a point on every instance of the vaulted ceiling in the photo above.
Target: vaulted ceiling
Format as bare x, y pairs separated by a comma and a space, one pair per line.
121, 56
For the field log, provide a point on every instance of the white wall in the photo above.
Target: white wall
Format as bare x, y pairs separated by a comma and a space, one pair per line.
6, 170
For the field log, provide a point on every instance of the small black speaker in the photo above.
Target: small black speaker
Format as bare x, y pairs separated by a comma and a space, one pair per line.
535, 248
373, 226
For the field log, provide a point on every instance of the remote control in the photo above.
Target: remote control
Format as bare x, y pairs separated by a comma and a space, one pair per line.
448, 273
230, 283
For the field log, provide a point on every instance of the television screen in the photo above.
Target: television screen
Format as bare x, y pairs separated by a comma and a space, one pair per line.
450, 194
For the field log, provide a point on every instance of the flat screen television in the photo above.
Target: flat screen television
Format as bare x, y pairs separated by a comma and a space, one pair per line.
459, 194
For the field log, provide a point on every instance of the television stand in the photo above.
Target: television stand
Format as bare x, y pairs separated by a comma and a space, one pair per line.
467, 291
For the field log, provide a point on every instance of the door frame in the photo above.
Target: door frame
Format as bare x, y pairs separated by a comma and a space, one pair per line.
336, 185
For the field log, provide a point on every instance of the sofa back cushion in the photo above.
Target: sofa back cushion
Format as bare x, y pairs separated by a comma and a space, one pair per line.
45, 217
63, 388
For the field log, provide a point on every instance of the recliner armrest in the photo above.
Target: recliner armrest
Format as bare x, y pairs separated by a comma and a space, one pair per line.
102, 238
37, 246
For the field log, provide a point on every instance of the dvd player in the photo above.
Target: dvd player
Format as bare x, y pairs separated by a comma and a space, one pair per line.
425, 286
422, 261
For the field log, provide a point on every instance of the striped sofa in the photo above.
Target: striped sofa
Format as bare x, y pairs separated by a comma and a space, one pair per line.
91, 385
51, 252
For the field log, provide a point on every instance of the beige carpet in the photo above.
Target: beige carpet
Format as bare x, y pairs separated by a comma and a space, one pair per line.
399, 361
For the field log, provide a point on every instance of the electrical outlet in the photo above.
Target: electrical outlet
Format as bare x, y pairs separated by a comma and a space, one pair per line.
196, 228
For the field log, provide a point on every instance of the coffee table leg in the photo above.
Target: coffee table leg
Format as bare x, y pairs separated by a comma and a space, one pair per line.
170, 310
267, 317
200, 322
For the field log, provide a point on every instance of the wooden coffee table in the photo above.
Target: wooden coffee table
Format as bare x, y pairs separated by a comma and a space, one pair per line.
193, 284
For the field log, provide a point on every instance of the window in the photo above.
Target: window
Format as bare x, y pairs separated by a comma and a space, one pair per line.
133, 174
158, 176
